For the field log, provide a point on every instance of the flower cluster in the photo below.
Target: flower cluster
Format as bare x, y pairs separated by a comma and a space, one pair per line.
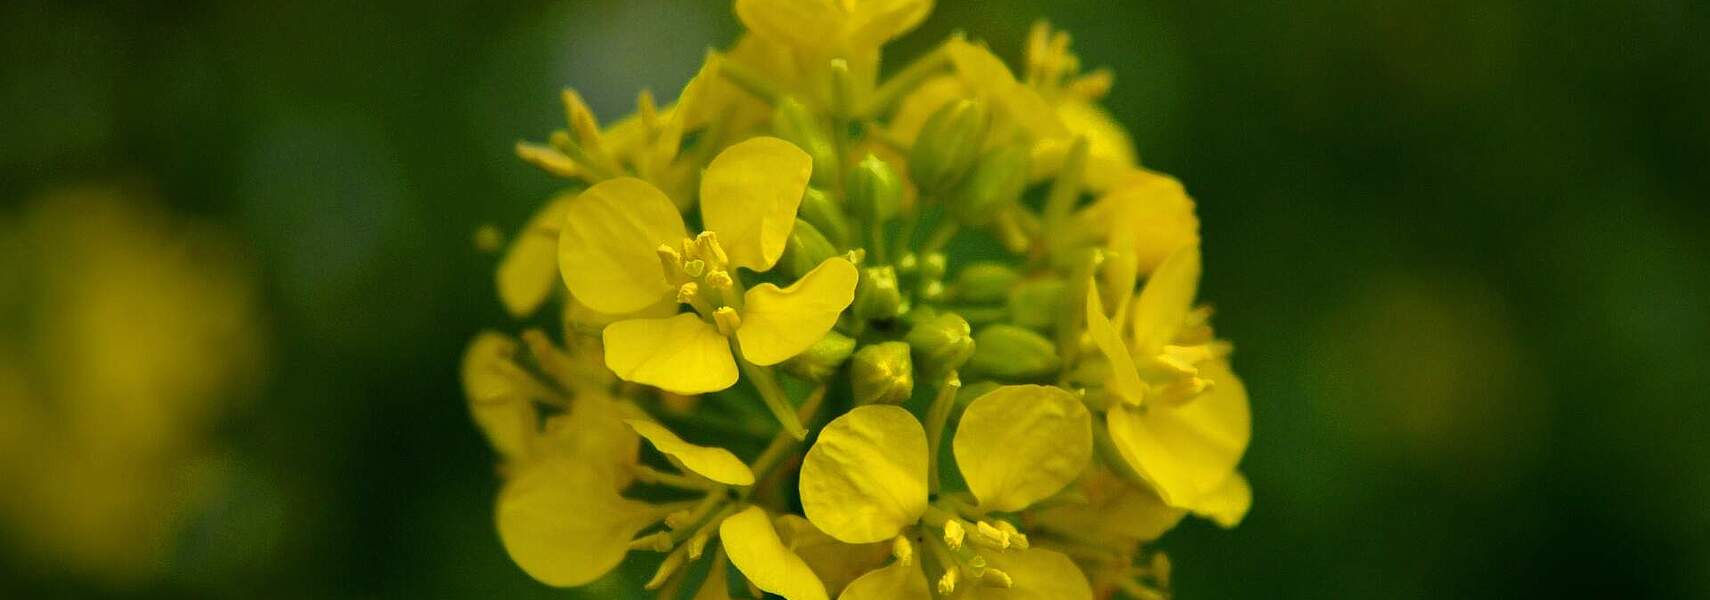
800, 280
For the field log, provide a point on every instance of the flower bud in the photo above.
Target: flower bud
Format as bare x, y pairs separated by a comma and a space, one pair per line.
1034, 303
1010, 353
877, 297
805, 249
985, 282
821, 360
794, 122
873, 190
942, 344
995, 183
948, 144
882, 374
820, 209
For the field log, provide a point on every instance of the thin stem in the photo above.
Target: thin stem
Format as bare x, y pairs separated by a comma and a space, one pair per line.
772, 394
941, 235
751, 82
904, 81
654, 476
936, 418
1060, 201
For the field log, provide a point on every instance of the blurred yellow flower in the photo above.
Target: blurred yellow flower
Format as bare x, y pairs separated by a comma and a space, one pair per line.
128, 335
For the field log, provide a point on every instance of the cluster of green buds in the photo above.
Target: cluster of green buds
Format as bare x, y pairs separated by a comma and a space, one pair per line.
933, 335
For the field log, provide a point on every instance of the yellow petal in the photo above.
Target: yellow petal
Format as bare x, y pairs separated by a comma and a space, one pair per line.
1019, 444
754, 547
712, 463
563, 527
749, 196
835, 562
807, 24
1186, 452
865, 478
896, 581
1037, 574
1157, 209
608, 247
1165, 301
780, 323
875, 22
1105, 137
992, 81
1116, 512
682, 354
1228, 504
593, 433
529, 271
1124, 378
501, 406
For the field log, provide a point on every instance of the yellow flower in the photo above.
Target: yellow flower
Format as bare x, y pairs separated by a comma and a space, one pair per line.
818, 30
1182, 420
624, 247
1145, 218
865, 481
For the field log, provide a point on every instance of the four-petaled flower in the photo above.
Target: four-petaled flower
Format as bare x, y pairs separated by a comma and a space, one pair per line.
624, 249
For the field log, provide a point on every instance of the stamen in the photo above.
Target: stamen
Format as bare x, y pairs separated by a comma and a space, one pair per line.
902, 550
954, 533
727, 320
947, 583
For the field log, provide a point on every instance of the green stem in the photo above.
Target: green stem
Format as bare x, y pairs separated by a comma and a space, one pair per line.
941, 235
772, 394
904, 81
751, 82
654, 476
1065, 190
936, 418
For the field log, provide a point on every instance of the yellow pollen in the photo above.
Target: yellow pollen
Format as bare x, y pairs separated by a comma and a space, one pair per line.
727, 320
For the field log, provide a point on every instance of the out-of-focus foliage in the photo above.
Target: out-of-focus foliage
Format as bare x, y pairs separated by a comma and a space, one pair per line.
1461, 246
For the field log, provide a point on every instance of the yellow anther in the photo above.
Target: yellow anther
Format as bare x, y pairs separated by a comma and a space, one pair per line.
707, 242
686, 293
727, 320
697, 544
1017, 539
992, 533
902, 550
658, 542
947, 583
719, 280
672, 262
954, 533
695, 268
679, 519
996, 578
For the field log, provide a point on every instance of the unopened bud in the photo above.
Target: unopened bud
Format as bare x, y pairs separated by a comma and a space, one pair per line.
821, 360
985, 282
882, 374
874, 191
942, 344
948, 144
1009, 353
823, 211
877, 295
794, 122
1035, 303
805, 249
995, 183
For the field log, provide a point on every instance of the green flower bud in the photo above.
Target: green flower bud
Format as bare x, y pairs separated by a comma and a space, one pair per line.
874, 191
942, 344
1034, 303
948, 144
823, 211
995, 183
805, 249
985, 282
794, 122
1009, 353
882, 373
877, 296
821, 360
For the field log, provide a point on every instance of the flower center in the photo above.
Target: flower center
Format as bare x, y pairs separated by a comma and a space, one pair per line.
701, 271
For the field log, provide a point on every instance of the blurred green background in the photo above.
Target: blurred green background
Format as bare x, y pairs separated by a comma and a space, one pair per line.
1460, 247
